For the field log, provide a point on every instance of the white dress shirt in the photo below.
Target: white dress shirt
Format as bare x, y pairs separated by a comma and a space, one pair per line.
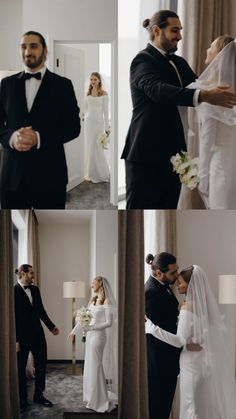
27, 291
31, 89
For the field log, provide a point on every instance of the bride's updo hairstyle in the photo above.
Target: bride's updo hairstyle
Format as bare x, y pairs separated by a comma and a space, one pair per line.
100, 90
159, 19
160, 261
186, 274
222, 41
101, 291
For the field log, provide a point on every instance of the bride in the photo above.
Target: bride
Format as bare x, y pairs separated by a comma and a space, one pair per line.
96, 122
100, 367
207, 385
217, 129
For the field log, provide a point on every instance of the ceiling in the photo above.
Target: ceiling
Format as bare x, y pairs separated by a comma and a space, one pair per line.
74, 217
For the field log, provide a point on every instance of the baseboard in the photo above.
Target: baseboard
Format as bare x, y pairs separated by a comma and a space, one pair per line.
73, 182
64, 361
87, 415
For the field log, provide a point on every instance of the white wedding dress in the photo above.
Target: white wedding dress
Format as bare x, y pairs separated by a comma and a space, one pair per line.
95, 388
217, 164
96, 122
197, 388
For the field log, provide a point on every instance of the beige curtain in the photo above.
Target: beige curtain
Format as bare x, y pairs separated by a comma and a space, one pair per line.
133, 399
32, 244
32, 258
9, 403
202, 21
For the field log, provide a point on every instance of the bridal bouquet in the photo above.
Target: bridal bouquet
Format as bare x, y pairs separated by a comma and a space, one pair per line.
84, 317
187, 169
103, 140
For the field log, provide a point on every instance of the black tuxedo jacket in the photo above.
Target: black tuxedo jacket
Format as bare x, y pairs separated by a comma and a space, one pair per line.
54, 114
162, 310
156, 131
27, 316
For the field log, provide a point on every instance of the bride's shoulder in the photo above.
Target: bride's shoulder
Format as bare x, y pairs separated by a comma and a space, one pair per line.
107, 302
104, 93
186, 307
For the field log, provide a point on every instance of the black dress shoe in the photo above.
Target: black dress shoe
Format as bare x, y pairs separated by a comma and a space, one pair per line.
23, 405
43, 401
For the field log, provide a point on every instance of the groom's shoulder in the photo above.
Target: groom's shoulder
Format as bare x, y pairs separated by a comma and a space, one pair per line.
56, 78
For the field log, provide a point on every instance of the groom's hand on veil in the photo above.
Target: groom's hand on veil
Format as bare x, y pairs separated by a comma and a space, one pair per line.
219, 96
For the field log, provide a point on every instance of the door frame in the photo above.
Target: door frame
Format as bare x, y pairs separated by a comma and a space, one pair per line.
113, 103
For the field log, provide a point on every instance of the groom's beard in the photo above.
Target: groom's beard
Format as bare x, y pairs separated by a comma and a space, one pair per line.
167, 45
168, 281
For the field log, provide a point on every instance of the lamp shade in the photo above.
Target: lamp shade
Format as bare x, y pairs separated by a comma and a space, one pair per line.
227, 289
74, 289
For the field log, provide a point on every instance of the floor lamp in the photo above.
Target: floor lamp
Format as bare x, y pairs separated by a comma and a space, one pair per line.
227, 289
74, 289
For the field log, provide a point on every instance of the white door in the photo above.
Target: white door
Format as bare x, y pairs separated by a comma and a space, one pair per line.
69, 62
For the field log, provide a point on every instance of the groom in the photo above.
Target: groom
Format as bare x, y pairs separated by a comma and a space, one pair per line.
38, 114
163, 359
29, 311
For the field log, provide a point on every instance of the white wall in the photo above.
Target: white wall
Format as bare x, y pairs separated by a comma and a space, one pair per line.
64, 256
105, 246
75, 252
10, 34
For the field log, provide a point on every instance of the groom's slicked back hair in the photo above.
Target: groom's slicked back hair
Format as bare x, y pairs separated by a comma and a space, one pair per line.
42, 39
160, 261
23, 268
159, 19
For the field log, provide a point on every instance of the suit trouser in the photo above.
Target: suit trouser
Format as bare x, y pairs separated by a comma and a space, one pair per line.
161, 391
29, 196
149, 187
39, 351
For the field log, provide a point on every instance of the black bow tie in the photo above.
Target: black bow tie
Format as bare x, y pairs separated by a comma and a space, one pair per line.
27, 76
168, 56
26, 286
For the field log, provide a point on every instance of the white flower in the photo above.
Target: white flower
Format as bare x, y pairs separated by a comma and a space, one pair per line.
103, 140
187, 169
84, 316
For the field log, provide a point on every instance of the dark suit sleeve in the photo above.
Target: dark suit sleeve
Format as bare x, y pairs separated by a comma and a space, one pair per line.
41, 310
152, 302
62, 124
145, 76
5, 133
70, 120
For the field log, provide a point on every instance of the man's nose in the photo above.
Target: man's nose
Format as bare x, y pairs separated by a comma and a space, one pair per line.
28, 51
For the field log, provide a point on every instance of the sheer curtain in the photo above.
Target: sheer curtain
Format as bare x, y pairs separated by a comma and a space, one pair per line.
133, 399
202, 21
32, 257
159, 233
32, 253
9, 402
